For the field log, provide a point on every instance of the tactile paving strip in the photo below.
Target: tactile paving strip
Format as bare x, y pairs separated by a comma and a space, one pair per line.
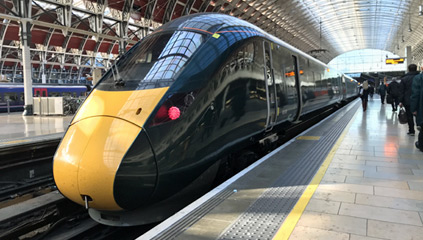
193, 216
265, 216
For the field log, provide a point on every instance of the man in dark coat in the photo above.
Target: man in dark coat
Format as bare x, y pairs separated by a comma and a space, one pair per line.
416, 106
394, 91
371, 90
405, 93
382, 91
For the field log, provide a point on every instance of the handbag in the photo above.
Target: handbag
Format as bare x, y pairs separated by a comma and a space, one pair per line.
389, 99
402, 116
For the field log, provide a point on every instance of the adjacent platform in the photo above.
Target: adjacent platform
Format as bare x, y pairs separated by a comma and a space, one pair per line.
356, 175
16, 129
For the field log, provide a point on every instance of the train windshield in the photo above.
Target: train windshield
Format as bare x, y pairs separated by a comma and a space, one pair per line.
153, 63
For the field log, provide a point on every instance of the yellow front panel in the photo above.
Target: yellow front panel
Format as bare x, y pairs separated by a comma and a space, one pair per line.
89, 156
122, 104
66, 163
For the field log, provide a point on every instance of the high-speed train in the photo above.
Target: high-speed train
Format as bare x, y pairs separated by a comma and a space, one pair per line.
155, 130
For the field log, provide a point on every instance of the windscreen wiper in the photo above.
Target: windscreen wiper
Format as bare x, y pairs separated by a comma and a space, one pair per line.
117, 78
119, 82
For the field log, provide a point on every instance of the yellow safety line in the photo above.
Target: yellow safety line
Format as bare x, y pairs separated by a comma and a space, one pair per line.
291, 220
308, 138
15, 141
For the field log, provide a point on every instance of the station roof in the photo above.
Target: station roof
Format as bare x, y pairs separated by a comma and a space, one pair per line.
323, 28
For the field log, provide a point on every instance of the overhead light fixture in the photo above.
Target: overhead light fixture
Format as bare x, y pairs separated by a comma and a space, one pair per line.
421, 10
315, 52
409, 27
409, 22
402, 38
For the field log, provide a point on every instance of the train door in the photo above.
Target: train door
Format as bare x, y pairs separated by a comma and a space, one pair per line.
298, 85
270, 86
40, 92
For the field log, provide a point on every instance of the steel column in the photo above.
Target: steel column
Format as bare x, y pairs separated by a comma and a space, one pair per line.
25, 14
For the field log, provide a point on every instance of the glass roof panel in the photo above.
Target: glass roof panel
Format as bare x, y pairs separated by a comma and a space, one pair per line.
366, 60
345, 25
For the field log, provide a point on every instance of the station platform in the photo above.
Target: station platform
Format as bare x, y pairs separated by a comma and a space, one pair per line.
354, 176
16, 129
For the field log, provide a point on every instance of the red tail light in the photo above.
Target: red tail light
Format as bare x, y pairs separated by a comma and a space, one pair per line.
174, 107
174, 113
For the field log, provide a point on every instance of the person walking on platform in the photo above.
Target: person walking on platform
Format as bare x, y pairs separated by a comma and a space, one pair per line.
382, 91
371, 90
416, 106
364, 94
394, 91
405, 93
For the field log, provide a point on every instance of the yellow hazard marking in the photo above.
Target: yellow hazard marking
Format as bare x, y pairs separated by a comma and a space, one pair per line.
216, 35
308, 138
15, 141
291, 220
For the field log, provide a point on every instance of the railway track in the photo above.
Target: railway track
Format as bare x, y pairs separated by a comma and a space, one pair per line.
25, 169
25, 174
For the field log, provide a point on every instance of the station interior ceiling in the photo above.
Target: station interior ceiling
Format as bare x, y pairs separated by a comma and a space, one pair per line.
68, 36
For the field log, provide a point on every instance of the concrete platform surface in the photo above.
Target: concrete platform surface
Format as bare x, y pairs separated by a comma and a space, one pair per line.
15, 128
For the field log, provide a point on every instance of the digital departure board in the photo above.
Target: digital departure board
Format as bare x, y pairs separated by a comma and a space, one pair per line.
394, 60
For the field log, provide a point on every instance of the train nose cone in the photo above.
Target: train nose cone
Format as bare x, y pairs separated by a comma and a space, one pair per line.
89, 157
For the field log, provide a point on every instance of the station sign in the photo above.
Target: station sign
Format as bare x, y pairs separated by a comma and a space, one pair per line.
394, 60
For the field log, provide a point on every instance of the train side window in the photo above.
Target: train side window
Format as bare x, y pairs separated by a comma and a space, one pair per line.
278, 72
240, 60
258, 55
277, 68
44, 94
22, 97
10, 96
37, 93
268, 69
249, 53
